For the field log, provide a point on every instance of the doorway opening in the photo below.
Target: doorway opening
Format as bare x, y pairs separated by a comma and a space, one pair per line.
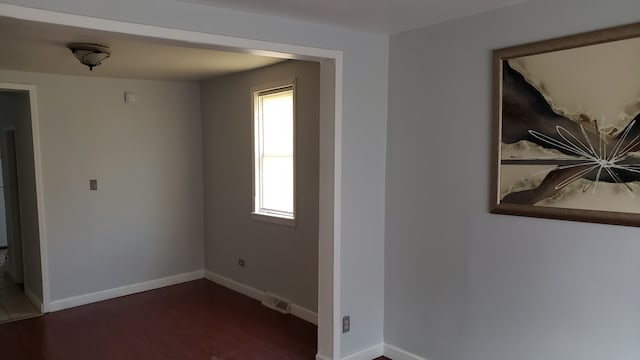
20, 269
330, 147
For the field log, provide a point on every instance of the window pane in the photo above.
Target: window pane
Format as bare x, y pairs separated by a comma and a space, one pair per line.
277, 183
277, 117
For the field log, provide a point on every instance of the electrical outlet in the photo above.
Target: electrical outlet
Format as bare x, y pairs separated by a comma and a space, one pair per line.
346, 324
241, 262
93, 184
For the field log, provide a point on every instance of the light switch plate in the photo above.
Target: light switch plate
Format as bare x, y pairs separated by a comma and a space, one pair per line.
93, 184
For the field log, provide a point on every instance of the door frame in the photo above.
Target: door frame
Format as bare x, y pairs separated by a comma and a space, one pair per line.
13, 212
37, 161
331, 85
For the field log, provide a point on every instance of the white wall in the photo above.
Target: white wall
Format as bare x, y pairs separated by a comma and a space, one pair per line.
464, 284
278, 258
145, 221
363, 131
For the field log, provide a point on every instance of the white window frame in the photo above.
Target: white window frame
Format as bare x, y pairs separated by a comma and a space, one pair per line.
257, 213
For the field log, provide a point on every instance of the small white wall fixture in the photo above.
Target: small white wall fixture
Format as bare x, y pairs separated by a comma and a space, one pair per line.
331, 78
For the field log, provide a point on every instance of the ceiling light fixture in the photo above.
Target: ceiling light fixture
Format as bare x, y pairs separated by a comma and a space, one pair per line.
88, 54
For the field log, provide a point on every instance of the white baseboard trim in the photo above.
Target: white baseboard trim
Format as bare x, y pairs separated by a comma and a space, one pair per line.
234, 285
395, 353
321, 357
296, 310
124, 290
304, 314
34, 299
382, 349
366, 354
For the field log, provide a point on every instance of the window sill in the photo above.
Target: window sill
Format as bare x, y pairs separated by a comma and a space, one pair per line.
274, 219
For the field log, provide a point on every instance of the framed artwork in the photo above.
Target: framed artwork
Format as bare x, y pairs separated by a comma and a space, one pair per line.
566, 132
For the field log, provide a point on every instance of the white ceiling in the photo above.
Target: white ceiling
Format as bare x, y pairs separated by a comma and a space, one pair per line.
378, 16
38, 47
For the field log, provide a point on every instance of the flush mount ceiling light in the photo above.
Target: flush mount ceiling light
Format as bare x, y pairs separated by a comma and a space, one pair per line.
89, 54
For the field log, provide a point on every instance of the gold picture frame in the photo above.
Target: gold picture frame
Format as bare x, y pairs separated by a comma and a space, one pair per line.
566, 131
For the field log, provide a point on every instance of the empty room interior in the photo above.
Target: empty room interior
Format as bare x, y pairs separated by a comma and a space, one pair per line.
164, 143
238, 180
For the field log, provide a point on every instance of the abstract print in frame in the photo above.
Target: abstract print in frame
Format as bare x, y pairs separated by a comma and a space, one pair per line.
566, 137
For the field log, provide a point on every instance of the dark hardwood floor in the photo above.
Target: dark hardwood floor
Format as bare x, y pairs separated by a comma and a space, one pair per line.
198, 320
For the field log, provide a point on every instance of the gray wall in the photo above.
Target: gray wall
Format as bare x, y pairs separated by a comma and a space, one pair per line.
3, 225
363, 129
5, 102
16, 113
145, 221
461, 283
279, 259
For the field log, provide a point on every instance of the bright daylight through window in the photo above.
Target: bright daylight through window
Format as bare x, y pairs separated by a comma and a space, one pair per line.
274, 152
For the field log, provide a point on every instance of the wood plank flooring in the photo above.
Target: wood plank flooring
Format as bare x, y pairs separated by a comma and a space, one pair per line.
198, 320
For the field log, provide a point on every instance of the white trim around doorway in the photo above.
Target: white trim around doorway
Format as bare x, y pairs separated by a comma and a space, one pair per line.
331, 75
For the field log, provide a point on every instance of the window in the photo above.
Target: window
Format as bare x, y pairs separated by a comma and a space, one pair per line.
274, 153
